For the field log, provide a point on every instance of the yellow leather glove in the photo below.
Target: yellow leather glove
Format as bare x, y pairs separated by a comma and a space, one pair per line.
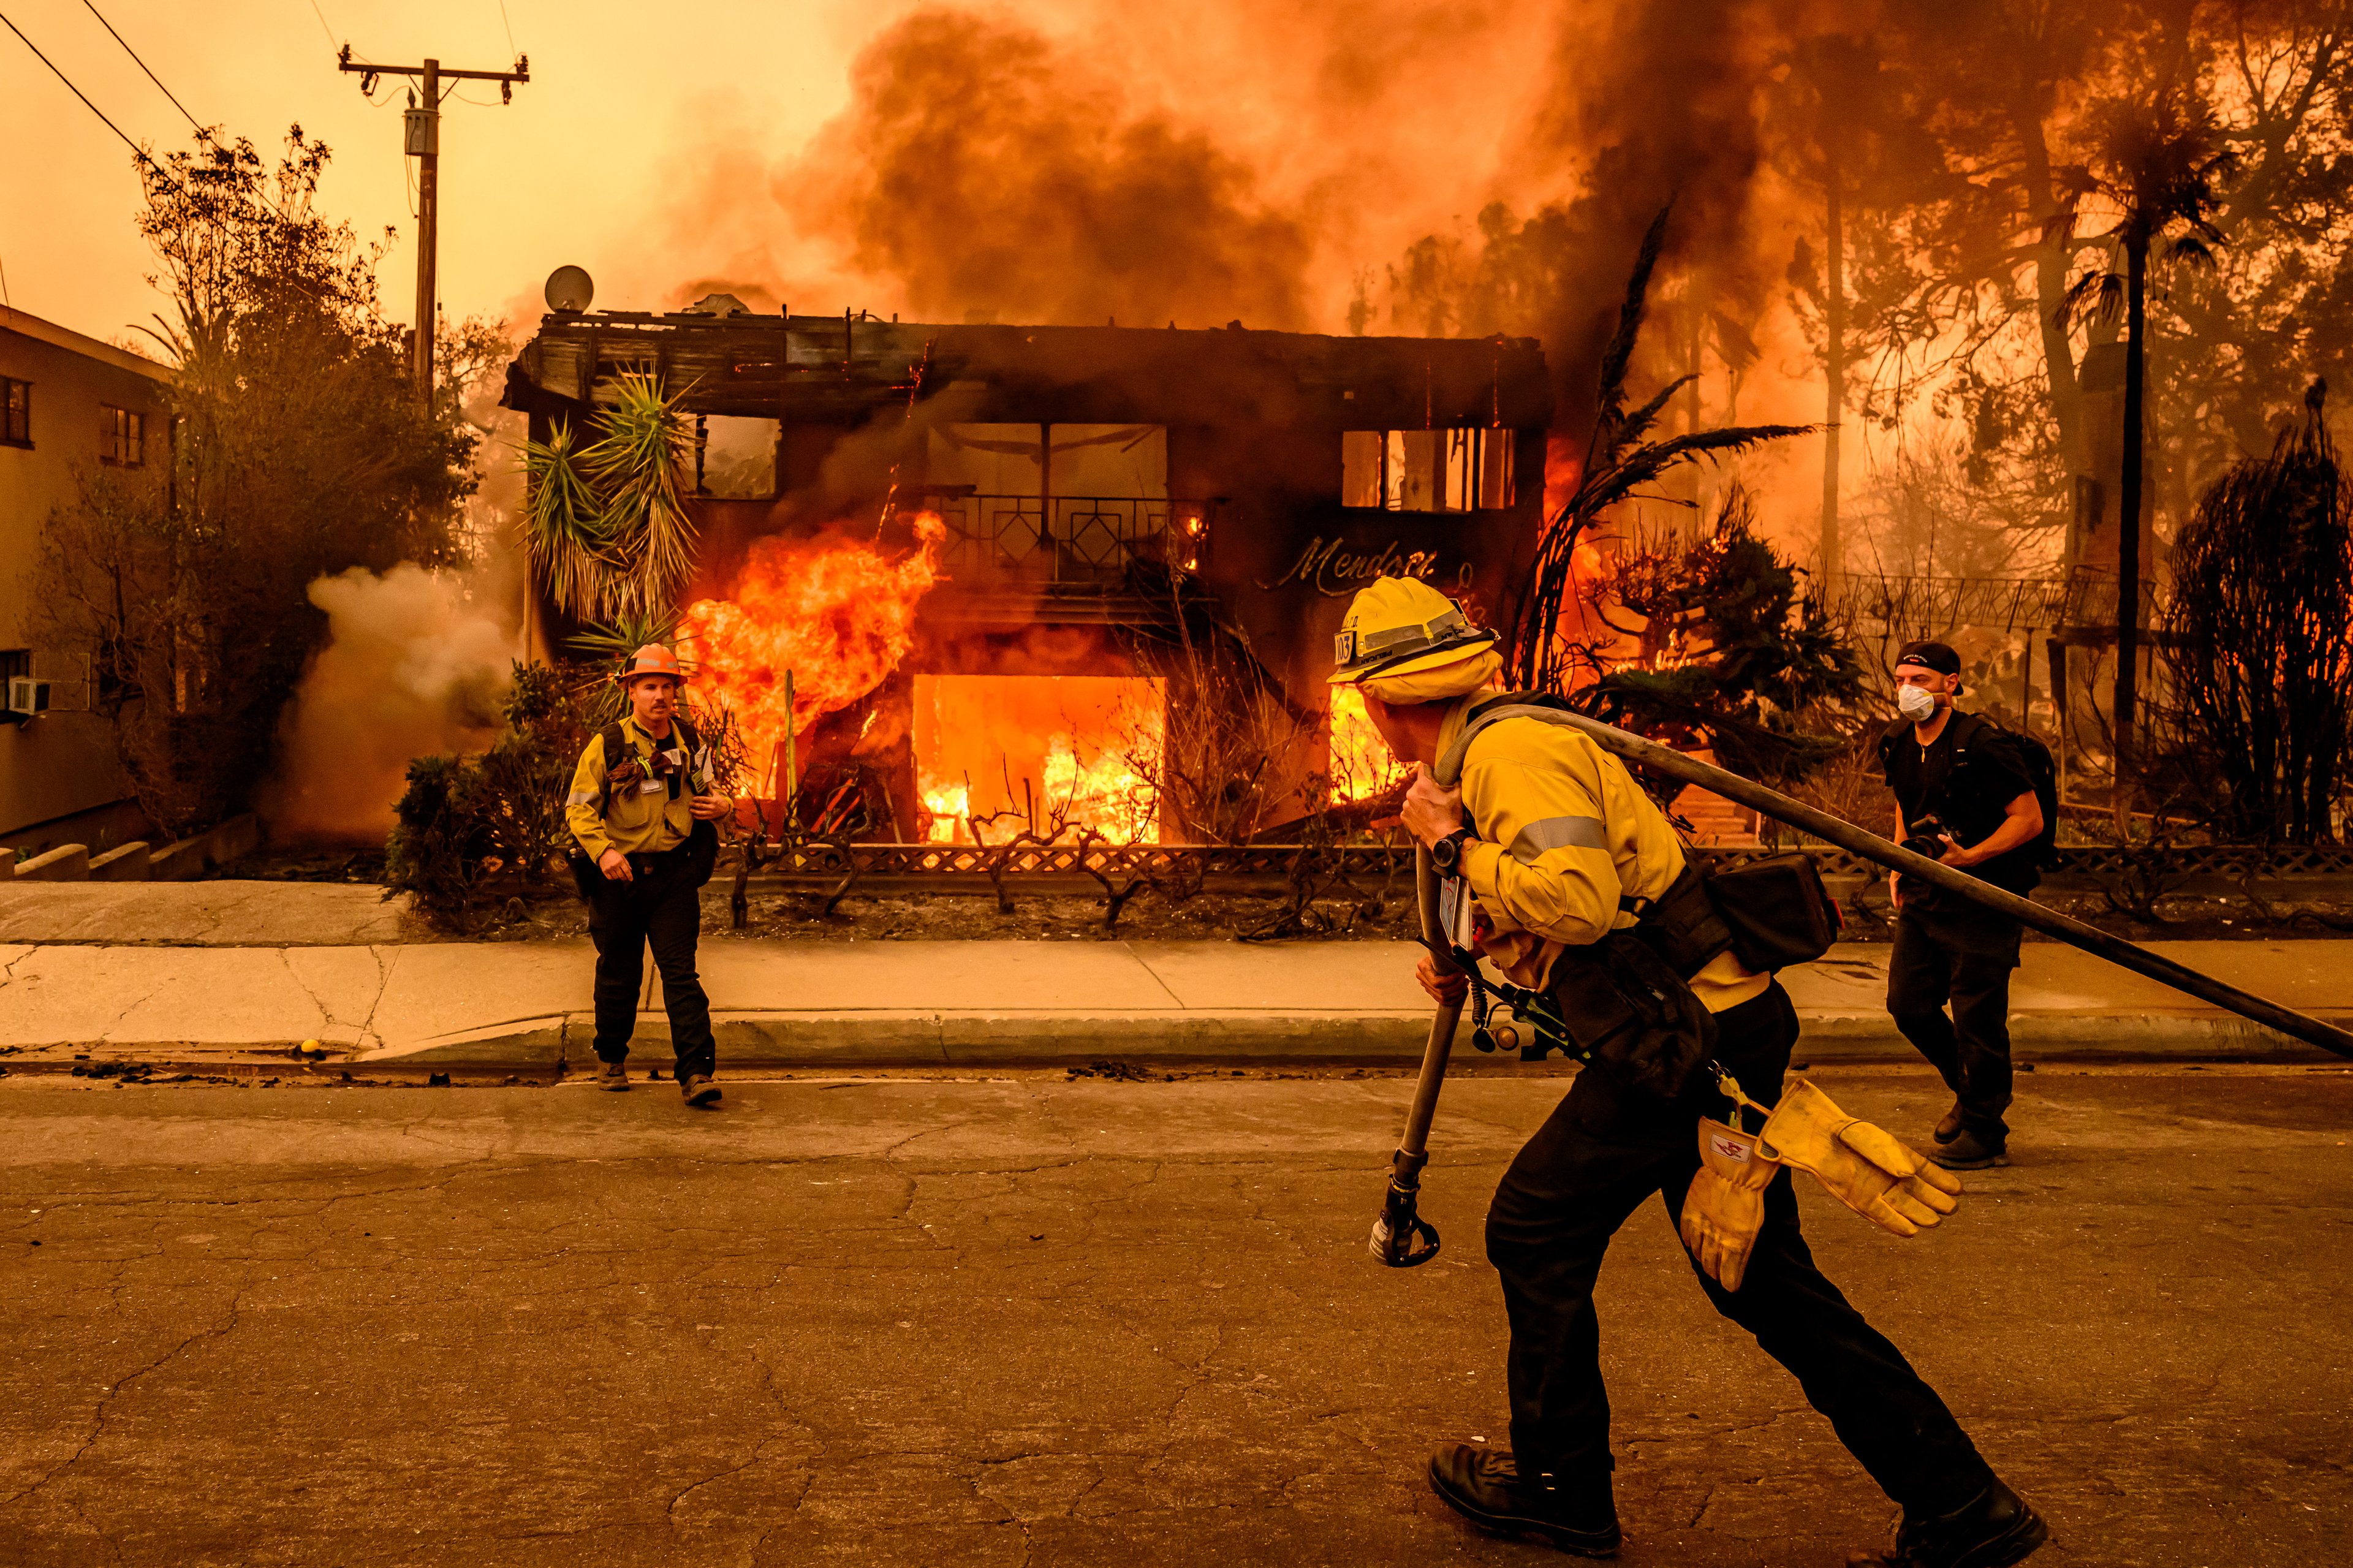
1725, 1208
1867, 1168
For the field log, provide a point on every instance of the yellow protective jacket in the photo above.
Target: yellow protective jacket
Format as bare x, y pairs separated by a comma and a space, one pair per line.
639, 822
1561, 833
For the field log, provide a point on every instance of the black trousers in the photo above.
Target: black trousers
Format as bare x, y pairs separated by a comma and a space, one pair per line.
661, 909
1590, 1165
1964, 958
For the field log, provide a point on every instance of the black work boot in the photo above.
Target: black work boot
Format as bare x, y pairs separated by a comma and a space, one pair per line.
1971, 1151
1484, 1486
613, 1076
697, 1090
1950, 1127
1994, 1528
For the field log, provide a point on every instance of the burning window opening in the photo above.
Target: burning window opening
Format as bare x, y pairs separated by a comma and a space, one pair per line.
1427, 470
1039, 753
735, 457
1362, 766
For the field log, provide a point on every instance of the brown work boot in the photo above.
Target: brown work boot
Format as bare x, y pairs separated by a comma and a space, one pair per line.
613, 1076
1968, 1151
697, 1090
1950, 1127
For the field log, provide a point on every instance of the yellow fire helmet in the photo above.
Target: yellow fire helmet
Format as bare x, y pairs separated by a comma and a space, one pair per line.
1406, 642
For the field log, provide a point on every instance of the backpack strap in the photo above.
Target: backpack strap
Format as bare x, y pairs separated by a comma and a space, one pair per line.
617, 746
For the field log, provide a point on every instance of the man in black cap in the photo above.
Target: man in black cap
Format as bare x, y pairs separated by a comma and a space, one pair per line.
1964, 783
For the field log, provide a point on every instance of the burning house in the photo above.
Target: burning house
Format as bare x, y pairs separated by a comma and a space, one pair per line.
995, 562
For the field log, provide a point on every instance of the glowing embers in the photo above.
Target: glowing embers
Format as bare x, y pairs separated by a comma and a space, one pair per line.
1361, 763
840, 615
1038, 752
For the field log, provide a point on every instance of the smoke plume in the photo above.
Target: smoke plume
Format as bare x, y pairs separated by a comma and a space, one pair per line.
987, 169
415, 663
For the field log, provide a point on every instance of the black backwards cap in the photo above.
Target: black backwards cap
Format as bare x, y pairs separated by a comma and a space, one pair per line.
1929, 655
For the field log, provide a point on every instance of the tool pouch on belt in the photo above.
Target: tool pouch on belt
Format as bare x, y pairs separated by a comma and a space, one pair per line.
1632, 1013
1776, 910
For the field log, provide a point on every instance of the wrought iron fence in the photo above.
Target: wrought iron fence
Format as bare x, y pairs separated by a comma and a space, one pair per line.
1066, 539
1909, 604
1244, 864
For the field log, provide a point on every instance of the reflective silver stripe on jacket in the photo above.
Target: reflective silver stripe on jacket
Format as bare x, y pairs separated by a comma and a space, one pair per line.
580, 797
1558, 833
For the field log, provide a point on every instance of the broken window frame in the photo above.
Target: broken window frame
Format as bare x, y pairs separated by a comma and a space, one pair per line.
1443, 468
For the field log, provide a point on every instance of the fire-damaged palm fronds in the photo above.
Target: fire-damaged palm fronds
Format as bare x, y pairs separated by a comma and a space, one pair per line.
608, 532
1620, 462
1725, 650
2259, 645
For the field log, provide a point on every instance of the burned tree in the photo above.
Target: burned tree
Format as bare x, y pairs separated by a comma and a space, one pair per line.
2259, 649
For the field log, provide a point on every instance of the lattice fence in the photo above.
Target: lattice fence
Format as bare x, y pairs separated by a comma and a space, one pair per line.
1241, 865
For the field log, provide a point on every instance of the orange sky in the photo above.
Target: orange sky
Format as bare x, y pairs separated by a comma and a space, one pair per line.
563, 173
635, 113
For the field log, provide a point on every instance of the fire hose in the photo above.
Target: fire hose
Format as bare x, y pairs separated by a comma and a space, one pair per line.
1402, 1238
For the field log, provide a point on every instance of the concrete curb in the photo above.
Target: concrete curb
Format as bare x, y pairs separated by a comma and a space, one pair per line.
850, 1041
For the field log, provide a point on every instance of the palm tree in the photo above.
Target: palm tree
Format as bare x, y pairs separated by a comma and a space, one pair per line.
2161, 162
1619, 464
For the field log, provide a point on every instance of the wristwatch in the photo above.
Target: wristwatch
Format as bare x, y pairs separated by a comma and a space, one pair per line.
1447, 853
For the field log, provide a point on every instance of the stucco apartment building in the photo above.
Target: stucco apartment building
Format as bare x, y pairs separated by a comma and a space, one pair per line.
68, 403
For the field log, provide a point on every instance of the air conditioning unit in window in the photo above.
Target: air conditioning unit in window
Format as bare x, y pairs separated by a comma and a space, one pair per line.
26, 697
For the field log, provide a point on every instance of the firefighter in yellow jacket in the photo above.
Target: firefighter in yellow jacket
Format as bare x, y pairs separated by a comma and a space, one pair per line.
643, 811
1559, 846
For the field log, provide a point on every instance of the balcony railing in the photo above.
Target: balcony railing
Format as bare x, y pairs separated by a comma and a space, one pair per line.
1077, 539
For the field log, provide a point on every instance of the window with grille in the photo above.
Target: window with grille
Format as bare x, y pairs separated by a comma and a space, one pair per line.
16, 413
121, 436
1427, 470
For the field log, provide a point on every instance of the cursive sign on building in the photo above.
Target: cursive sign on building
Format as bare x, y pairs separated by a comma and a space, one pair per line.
1329, 567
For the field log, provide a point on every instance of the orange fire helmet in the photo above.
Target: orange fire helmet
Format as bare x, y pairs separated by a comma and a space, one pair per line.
651, 659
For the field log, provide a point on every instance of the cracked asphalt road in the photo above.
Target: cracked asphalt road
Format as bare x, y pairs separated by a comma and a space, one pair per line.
1026, 1320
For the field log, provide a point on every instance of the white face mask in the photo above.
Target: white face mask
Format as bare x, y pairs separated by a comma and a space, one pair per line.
1916, 703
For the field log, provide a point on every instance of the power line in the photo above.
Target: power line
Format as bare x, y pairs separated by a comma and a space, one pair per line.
137, 150
504, 23
142, 64
322, 23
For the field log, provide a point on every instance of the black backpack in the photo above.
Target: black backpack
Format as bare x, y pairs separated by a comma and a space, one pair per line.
1975, 729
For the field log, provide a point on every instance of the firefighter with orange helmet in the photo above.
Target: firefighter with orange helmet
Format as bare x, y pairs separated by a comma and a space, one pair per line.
645, 814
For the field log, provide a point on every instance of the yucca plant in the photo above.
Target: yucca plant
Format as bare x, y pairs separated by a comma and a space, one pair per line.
564, 524
609, 531
635, 467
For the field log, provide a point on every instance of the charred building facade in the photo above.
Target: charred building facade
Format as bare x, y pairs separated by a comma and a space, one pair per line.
1090, 484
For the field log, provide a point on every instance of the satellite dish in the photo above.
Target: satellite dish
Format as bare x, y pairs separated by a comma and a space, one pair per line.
570, 289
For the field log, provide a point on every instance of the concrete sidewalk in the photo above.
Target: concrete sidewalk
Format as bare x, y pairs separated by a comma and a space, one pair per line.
518, 1006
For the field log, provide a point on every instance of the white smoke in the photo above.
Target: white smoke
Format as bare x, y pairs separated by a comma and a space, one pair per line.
416, 662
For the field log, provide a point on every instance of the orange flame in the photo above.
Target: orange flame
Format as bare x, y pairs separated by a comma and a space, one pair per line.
1362, 763
1032, 752
838, 615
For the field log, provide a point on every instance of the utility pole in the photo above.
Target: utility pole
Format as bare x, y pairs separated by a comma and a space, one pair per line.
421, 133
